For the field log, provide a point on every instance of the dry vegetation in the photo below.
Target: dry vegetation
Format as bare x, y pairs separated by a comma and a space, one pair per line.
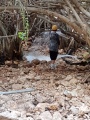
71, 16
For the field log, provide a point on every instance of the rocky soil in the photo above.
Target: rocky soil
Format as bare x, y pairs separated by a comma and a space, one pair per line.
58, 94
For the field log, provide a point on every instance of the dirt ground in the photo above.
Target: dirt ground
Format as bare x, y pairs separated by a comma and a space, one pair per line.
58, 94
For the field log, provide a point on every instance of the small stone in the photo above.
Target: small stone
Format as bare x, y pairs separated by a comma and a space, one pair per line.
4, 118
43, 62
74, 93
35, 102
28, 115
73, 81
40, 98
61, 101
45, 116
74, 110
79, 77
29, 43
1, 82
31, 76
4, 98
83, 109
35, 62
17, 86
38, 78
53, 106
21, 81
67, 94
2, 101
11, 114
89, 87
29, 118
27, 65
8, 63
69, 77
26, 71
56, 84
57, 116
70, 117
41, 107
65, 83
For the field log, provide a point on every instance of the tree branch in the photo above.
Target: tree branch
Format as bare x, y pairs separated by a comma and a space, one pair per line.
81, 8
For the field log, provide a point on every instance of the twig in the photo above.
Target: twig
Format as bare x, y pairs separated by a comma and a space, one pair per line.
85, 79
8, 36
3, 87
